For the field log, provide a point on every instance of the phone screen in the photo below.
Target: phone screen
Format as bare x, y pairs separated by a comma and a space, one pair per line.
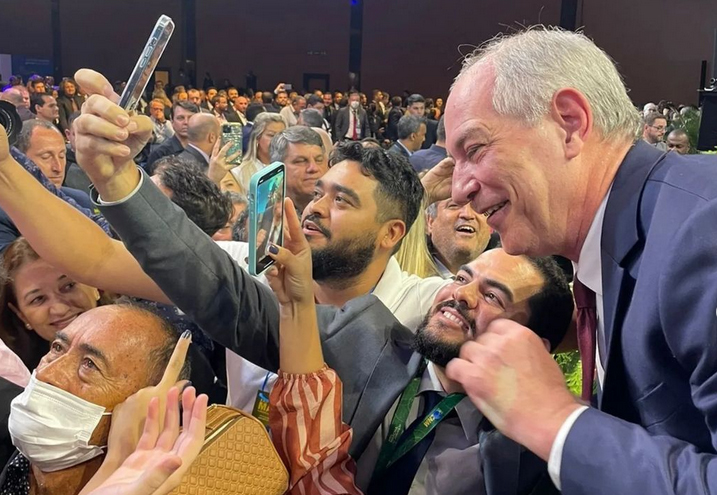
269, 216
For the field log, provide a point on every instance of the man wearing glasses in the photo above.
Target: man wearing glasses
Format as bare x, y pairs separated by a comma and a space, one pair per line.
654, 130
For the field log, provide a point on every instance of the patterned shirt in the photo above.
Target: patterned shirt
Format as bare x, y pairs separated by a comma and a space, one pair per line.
15, 479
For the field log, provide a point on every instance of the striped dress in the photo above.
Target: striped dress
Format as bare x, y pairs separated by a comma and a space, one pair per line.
313, 442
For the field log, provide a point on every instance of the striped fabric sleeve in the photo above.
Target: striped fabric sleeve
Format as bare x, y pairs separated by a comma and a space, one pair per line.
305, 420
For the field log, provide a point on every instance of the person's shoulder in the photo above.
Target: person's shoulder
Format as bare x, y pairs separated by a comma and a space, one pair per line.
80, 197
687, 175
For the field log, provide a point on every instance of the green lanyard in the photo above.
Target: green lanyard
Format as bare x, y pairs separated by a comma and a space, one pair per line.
391, 451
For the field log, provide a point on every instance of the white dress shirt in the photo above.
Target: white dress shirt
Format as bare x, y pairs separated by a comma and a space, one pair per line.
354, 123
408, 297
589, 272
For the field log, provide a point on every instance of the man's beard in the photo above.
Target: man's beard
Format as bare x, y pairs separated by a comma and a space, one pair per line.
429, 343
341, 261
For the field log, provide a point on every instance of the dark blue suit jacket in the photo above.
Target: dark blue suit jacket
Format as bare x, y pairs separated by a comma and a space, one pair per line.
427, 159
656, 431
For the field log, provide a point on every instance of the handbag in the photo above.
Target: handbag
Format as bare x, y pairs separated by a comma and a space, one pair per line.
238, 457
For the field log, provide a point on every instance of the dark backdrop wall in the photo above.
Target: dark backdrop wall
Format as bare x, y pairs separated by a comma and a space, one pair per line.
407, 44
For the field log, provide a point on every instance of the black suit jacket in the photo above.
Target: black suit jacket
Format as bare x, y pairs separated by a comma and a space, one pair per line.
394, 115
342, 122
64, 104
431, 134
399, 150
191, 155
171, 146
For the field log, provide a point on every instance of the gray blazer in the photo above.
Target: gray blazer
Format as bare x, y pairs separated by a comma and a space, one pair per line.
362, 341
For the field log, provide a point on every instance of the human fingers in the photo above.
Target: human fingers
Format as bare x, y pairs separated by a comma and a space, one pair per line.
88, 144
176, 362
189, 395
170, 430
93, 83
105, 108
92, 125
150, 433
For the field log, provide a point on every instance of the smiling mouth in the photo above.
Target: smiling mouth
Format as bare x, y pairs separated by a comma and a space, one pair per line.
466, 229
458, 320
493, 209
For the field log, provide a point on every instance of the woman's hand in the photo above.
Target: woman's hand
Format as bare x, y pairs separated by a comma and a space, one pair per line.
163, 457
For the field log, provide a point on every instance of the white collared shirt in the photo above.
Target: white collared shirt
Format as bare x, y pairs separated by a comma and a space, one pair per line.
589, 271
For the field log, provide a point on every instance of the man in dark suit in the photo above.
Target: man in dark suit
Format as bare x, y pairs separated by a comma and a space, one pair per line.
416, 105
202, 134
351, 122
639, 223
427, 159
394, 115
181, 112
411, 133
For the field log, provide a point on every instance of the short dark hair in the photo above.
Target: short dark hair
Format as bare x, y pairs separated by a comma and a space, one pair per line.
409, 124
441, 131
186, 105
158, 357
396, 101
415, 98
267, 97
399, 191
312, 117
551, 309
253, 110
28, 127
313, 100
37, 99
651, 117
353, 92
199, 197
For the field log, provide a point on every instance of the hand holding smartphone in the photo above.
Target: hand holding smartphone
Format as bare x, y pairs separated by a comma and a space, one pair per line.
266, 215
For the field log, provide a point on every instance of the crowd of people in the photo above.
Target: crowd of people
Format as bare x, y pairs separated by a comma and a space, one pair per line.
434, 258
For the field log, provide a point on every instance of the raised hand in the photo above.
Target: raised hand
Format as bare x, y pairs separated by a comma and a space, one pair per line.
163, 455
291, 278
513, 380
219, 164
128, 417
107, 137
437, 181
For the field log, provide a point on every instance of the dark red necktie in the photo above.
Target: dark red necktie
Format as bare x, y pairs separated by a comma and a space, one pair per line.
354, 134
587, 330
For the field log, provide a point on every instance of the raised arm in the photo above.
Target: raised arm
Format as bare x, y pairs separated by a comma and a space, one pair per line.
66, 238
305, 412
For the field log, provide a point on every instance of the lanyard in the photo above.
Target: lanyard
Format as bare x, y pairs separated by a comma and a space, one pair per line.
391, 451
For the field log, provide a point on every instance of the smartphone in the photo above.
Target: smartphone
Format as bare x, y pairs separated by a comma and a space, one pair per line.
232, 133
267, 190
288, 87
146, 64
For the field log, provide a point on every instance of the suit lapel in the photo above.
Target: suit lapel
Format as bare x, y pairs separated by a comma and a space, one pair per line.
620, 245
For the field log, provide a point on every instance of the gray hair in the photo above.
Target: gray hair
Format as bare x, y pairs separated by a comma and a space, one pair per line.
432, 210
297, 134
409, 124
312, 117
441, 131
529, 67
28, 127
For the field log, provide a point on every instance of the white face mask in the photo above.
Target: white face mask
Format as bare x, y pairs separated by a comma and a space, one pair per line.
354, 105
52, 428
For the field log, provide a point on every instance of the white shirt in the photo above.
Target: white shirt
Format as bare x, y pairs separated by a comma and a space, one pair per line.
408, 297
354, 123
589, 272
287, 113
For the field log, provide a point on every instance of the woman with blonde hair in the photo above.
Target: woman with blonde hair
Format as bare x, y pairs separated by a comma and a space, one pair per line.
266, 126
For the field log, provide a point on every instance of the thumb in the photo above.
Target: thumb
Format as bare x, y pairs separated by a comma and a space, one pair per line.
154, 477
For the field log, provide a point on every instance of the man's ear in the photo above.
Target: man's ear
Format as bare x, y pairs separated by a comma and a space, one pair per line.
429, 224
571, 111
393, 232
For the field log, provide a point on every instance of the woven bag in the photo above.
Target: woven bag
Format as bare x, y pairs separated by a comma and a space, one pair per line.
237, 458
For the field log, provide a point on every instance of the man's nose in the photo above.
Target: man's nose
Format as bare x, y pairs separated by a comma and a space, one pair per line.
467, 294
464, 188
57, 372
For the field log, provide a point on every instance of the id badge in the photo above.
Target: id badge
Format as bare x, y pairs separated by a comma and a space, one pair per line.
261, 407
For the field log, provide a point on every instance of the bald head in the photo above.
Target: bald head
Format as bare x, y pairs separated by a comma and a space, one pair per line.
15, 96
203, 131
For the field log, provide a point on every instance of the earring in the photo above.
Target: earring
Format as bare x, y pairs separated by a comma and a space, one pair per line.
27, 325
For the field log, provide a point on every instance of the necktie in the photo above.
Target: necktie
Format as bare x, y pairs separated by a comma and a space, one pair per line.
397, 479
587, 329
354, 135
